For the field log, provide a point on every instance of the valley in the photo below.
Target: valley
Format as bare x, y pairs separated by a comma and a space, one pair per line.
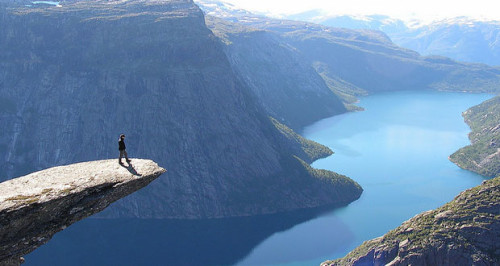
257, 121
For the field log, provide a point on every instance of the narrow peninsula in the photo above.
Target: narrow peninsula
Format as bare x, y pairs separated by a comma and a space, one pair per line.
36, 206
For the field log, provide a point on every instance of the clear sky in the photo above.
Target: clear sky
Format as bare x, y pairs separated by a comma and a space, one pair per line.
424, 10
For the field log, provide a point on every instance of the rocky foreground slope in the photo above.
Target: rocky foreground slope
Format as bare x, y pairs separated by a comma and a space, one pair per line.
483, 155
465, 231
35, 207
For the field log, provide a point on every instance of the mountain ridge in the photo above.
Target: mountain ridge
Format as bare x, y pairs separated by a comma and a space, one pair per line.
461, 38
365, 61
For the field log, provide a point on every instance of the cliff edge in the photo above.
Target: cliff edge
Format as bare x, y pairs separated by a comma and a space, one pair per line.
36, 206
465, 231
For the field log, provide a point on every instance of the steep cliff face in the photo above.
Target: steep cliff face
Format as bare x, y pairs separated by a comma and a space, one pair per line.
287, 86
35, 207
465, 231
76, 76
483, 155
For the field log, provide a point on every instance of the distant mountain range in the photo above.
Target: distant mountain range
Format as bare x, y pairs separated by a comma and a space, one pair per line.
350, 61
461, 38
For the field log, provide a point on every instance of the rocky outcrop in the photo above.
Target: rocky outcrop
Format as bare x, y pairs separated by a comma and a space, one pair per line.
483, 155
465, 231
75, 76
35, 207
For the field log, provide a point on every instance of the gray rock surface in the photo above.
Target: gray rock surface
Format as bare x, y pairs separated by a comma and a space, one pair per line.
465, 231
36, 206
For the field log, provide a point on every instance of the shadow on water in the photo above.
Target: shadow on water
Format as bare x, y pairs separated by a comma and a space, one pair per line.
163, 242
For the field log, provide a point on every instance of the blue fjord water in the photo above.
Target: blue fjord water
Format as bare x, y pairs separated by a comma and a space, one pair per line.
397, 150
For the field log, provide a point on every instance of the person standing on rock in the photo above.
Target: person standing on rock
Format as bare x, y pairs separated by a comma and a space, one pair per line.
121, 148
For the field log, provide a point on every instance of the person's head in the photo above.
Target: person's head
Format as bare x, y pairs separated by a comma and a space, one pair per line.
122, 136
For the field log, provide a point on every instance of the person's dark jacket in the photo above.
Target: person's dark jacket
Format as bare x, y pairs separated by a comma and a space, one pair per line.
121, 144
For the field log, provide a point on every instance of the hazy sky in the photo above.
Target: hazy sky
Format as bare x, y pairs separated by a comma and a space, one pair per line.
422, 9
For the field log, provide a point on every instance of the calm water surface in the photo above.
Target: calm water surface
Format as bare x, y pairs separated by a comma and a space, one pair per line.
397, 150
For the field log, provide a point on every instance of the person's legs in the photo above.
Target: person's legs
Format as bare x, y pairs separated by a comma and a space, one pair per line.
126, 155
121, 155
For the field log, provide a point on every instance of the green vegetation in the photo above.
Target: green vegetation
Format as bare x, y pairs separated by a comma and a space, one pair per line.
483, 155
307, 150
330, 177
343, 89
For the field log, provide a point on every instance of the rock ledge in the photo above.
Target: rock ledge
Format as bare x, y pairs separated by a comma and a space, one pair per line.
36, 206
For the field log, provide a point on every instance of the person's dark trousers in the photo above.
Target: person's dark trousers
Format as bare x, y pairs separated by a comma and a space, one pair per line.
122, 154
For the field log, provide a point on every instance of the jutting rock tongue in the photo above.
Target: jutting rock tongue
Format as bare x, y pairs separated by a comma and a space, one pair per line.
36, 206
